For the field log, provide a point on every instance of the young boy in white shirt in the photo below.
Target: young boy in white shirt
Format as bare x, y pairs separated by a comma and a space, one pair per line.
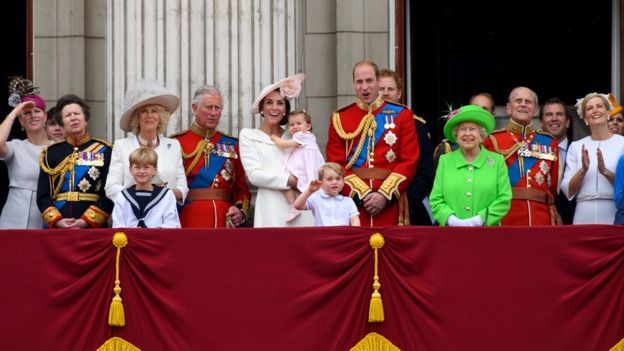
144, 204
328, 206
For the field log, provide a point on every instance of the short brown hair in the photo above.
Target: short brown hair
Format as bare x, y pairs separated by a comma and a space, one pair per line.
144, 156
392, 74
333, 166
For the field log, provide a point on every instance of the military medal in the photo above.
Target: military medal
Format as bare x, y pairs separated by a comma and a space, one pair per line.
544, 167
94, 173
390, 156
390, 138
539, 178
84, 185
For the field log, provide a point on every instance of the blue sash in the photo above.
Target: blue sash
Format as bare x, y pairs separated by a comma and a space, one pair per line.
384, 115
206, 176
79, 173
514, 169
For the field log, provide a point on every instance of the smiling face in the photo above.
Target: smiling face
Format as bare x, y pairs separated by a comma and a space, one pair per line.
74, 120
522, 106
555, 121
365, 83
468, 135
149, 117
616, 124
331, 182
143, 173
297, 123
273, 108
596, 112
33, 119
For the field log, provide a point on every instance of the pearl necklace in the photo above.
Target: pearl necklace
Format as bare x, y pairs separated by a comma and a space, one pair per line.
148, 143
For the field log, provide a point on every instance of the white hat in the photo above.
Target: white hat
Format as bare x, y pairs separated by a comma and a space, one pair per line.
289, 88
146, 92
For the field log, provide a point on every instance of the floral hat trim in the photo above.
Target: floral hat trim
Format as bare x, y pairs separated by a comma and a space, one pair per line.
579, 102
289, 88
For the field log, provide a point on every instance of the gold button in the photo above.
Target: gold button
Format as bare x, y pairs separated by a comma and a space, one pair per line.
467, 208
469, 180
528, 185
469, 194
470, 168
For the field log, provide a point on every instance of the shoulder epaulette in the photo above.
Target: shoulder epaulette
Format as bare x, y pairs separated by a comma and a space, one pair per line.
396, 103
499, 130
344, 108
228, 136
545, 133
103, 141
178, 133
53, 144
420, 119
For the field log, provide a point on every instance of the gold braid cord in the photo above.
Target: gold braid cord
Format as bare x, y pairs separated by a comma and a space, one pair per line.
506, 153
375, 311
117, 344
203, 147
116, 315
374, 342
58, 173
365, 129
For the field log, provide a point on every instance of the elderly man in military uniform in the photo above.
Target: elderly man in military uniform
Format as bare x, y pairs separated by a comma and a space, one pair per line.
70, 192
376, 142
532, 158
218, 194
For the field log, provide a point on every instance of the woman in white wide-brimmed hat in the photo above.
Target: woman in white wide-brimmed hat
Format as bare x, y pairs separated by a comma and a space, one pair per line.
264, 161
148, 105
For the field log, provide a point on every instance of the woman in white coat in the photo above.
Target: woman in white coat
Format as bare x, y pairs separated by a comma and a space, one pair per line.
147, 108
590, 164
264, 161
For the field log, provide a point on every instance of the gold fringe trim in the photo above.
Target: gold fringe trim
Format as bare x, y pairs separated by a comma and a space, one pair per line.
618, 347
375, 310
374, 342
117, 344
366, 129
116, 316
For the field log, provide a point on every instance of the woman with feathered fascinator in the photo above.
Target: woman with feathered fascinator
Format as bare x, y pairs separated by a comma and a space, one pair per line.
22, 156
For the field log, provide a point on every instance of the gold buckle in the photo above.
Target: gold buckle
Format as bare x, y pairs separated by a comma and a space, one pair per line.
72, 196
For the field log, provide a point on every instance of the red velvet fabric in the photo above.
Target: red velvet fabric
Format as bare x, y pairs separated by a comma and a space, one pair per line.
480, 289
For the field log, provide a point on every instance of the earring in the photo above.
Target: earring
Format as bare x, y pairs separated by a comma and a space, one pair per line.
262, 113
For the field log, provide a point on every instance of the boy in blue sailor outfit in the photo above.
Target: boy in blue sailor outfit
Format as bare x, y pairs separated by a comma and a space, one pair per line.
70, 191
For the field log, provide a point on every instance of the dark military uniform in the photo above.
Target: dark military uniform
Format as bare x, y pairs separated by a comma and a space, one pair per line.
71, 181
421, 185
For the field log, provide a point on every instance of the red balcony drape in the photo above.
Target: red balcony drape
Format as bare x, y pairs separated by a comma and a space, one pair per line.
309, 289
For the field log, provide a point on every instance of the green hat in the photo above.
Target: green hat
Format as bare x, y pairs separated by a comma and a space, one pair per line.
468, 113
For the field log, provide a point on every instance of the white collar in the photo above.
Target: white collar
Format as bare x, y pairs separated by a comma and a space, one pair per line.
322, 193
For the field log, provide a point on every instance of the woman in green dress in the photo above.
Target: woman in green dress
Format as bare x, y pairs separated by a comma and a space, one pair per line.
471, 186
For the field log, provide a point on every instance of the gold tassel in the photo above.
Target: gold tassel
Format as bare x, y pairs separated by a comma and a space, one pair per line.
375, 311
374, 342
618, 347
116, 317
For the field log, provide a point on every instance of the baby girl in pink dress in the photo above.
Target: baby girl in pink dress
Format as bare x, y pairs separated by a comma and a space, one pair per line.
304, 160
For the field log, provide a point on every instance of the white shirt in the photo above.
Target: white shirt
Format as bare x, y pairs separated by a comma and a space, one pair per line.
163, 215
331, 210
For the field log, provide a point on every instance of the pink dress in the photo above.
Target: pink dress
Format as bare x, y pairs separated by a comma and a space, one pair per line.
304, 161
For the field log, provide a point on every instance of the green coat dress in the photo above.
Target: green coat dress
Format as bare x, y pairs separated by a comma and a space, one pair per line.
465, 189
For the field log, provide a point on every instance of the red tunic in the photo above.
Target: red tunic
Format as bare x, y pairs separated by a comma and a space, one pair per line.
215, 175
379, 152
532, 160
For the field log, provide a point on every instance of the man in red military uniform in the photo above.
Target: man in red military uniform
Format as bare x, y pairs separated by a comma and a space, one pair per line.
218, 193
532, 159
376, 142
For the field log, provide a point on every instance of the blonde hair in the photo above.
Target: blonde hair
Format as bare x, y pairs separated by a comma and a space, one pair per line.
333, 166
162, 123
144, 156
305, 114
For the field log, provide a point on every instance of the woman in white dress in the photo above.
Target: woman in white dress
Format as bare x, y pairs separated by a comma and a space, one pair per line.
147, 108
591, 164
22, 160
264, 161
